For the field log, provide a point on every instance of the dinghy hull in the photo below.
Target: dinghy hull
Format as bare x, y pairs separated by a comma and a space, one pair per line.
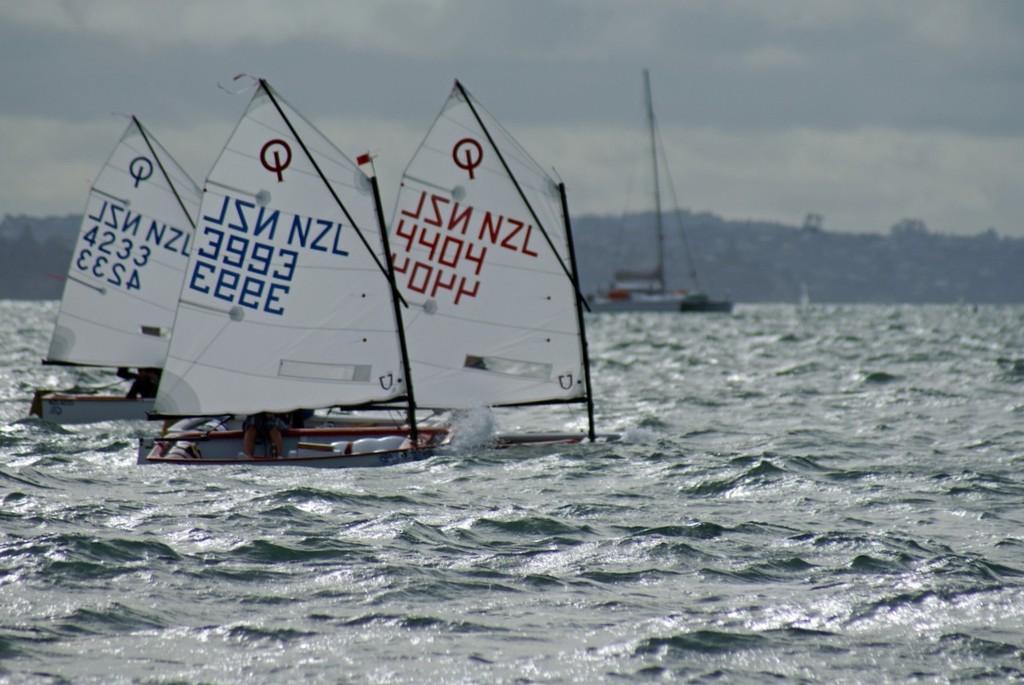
316, 447
64, 408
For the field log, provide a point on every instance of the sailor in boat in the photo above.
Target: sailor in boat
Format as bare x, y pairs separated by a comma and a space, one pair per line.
265, 428
144, 382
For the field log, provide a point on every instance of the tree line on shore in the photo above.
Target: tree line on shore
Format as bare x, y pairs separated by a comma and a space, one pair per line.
746, 261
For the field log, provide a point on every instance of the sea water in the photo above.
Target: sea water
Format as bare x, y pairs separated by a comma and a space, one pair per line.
819, 494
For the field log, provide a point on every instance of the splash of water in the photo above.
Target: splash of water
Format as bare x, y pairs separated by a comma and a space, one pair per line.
473, 427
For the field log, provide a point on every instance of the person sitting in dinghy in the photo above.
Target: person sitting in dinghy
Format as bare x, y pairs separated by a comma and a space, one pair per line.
144, 382
266, 428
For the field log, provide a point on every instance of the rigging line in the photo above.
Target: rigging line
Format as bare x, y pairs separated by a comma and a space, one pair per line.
519, 189
679, 217
167, 177
323, 177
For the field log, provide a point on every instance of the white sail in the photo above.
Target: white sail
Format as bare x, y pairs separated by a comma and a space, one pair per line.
126, 271
481, 254
286, 302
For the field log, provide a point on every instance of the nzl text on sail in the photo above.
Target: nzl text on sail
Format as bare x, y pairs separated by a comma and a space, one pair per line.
242, 259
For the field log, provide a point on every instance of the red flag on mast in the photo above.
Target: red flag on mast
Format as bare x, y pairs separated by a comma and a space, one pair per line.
363, 159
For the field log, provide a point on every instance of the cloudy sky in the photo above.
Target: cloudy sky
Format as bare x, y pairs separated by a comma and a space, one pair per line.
864, 111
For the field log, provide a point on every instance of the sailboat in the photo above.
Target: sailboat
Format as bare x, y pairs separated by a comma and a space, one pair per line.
483, 255
645, 291
288, 303
126, 271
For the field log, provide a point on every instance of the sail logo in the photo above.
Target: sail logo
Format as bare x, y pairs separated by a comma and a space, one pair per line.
445, 245
271, 157
119, 244
140, 169
467, 155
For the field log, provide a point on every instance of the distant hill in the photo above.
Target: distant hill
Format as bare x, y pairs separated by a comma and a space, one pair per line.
747, 261
751, 261
34, 256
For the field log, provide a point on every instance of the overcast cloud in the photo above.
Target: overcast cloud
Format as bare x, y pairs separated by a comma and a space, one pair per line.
865, 111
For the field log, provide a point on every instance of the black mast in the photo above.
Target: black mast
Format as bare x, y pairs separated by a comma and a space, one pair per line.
323, 177
580, 302
395, 298
174, 188
387, 269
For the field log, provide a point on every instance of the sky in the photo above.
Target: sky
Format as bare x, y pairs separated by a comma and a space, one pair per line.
867, 112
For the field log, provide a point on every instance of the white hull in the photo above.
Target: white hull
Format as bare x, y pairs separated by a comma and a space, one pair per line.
218, 441
319, 447
658, 303
65, 408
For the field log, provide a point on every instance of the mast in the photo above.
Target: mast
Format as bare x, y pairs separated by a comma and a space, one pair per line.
396, 298
580, 302
657, 190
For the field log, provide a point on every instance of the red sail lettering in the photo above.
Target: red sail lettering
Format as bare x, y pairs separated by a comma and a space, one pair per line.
463, 291
439, 284
492, 229
422, 272
400, 267
457, 218
507, 242
419, 207
526, 242
410, 236
435, 202
478, 258
448, 257
426, 243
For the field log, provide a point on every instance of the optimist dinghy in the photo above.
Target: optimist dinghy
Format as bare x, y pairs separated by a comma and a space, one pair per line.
288, 303
125, 276
483, 254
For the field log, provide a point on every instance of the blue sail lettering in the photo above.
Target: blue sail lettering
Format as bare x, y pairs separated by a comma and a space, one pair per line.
131, 224
155, 234
103, 210
252, 291
195, 283
265, 222
299, 231
325, 227
227, 283
219, 220
113, 221
274, 297
175, 235
243, 223
336, 248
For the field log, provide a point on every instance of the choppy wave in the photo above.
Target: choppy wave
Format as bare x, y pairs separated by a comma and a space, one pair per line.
822, 494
